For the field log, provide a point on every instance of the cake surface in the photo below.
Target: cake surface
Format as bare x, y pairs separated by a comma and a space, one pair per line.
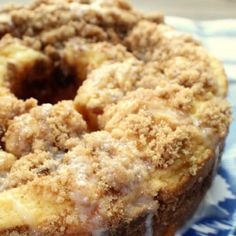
111, 121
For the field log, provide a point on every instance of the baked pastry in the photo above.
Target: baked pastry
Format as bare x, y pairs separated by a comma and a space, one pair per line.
111, 122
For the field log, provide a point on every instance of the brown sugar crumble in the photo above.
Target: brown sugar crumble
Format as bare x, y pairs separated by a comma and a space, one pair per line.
103, 110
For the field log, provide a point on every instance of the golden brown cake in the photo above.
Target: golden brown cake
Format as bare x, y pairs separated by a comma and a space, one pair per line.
111, 122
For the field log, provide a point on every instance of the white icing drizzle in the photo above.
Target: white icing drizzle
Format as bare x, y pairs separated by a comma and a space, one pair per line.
217, 151
3, 176
99, 6
35, 233
100, 232
5, 19
211, 139
149, 225
217, 156
22, 212
59, 156
82, 9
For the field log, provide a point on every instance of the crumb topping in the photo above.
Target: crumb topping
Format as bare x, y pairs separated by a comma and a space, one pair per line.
100, 105
181, 58
12, 107
215, 114
162, 134
44, 128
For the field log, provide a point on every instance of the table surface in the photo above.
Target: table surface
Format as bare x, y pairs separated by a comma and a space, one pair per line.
194, 9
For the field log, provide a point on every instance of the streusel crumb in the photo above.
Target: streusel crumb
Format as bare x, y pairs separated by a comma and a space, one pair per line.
107, 116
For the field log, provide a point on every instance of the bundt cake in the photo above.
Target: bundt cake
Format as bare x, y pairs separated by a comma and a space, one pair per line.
111, 121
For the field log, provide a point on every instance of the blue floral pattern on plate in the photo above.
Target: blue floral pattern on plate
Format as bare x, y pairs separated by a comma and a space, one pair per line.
216, 214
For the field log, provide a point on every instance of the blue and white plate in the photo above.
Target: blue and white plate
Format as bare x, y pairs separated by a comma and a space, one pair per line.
217, 212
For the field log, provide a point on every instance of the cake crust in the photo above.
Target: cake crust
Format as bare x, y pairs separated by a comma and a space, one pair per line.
111, 121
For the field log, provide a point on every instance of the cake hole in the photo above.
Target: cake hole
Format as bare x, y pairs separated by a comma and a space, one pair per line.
45, 83
50, 84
